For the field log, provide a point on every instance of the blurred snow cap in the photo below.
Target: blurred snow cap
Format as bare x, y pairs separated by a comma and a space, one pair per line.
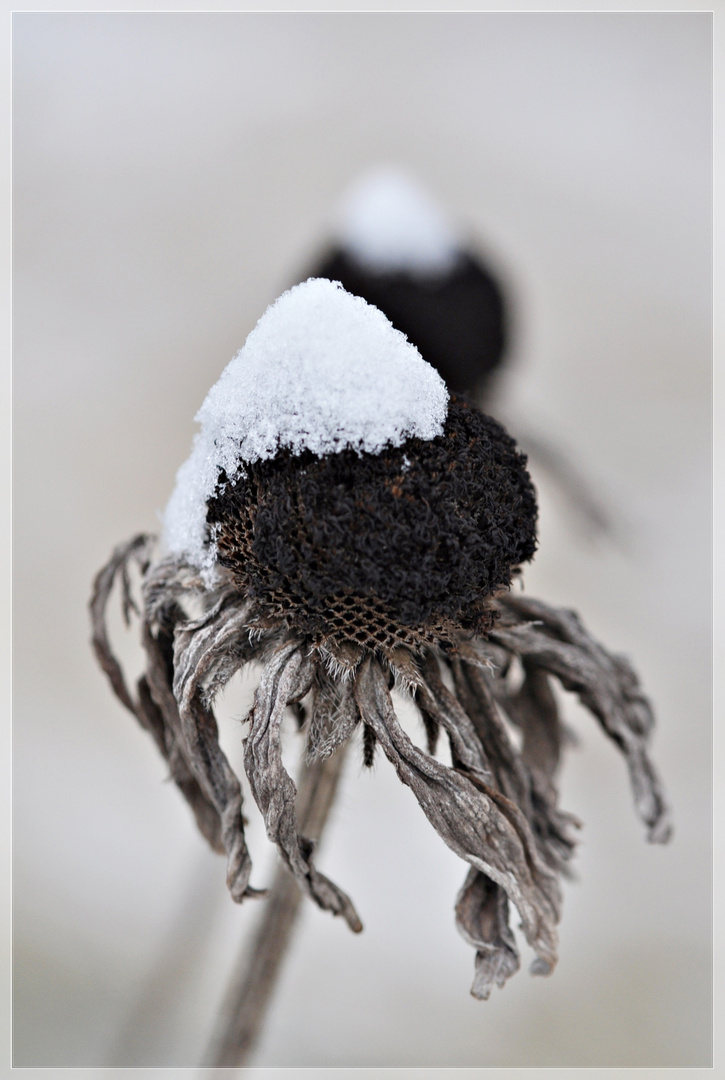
388, 223
322, 370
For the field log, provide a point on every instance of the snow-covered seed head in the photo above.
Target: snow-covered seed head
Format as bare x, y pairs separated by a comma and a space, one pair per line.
322, 371
343, 489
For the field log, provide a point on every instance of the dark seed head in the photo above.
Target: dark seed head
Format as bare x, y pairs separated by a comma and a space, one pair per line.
364, 546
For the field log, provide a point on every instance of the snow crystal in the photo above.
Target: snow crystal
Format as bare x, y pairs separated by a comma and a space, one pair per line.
322, 370
387, 222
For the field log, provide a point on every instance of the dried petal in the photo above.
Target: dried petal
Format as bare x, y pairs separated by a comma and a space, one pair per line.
435, 700
155, 706
287, 677
196, 660
528, 788
476, 822
157, 698
482, 918
511, 777
604, 684
334, 716
137, 549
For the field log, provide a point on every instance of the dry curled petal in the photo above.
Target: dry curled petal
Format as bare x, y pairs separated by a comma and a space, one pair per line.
196, 660
479, 825
287, 678
482, 918
606, 685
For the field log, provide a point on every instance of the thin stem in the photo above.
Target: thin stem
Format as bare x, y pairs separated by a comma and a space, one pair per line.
251, 988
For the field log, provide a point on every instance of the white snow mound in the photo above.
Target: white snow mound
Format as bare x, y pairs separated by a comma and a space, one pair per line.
322, 370
388, 223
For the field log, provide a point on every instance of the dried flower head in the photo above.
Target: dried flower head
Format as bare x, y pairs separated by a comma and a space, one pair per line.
350, 572
419, 535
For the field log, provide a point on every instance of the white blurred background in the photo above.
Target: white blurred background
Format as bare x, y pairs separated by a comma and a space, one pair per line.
173, 174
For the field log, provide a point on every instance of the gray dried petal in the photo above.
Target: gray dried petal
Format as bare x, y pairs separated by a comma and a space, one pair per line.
525, 785
196, 658
606, 686
473, 689
228, 625
534, 710
154, 706
137, 550
482, 918
168, 580
435, 700
158, 702
286, 678
482, 654
333, 718
476, 822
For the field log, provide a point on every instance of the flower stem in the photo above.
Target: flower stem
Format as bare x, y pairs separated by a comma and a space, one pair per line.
251, 988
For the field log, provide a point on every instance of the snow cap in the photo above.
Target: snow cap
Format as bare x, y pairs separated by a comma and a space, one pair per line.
322, 370
388, 223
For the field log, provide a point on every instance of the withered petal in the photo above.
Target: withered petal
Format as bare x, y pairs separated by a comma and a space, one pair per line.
287, 677
196, 659
482, 918
475, 824
604, 684
334, 716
